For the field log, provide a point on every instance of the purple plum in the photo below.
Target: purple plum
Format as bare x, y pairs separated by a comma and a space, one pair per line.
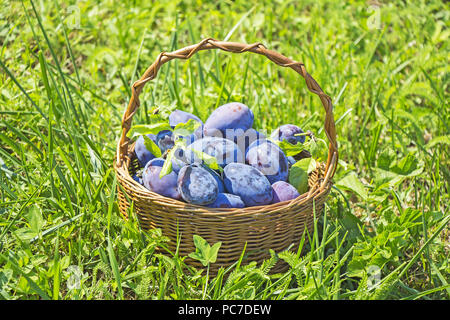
217, 177
142, 154
227, 200
268, 158
164, 140
165, 186
224, 150
283, 191
232, 115
288, 132
137, 179
243, 138
196, 185
178, 116
248, 183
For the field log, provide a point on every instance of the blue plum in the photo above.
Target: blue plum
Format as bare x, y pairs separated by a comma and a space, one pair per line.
165, 186
178, 116
268, 158
142, 154
217, 177
179, 160
196, 185
248, 183
164, 140
224, 150
283, 191
137, 179
232, 115
243, 138
227, 200
288, 132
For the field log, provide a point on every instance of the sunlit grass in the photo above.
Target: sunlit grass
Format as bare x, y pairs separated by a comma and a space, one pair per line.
66, 71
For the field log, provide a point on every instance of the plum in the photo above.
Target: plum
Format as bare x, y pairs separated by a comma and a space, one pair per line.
288, 132
283, 191
227, 200
142, 154
243, 138
178, 160
217, 177
137, 179
248, 183
165, 186
164, 140
224, 150
232, 115
178, 116
268, 158
196, 185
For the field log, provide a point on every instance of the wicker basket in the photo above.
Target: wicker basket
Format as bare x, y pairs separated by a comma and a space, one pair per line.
276, 226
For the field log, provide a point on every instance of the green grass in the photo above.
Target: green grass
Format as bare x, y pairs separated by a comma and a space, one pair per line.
384, 233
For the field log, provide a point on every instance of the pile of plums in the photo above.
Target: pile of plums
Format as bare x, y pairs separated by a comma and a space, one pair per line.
255, 169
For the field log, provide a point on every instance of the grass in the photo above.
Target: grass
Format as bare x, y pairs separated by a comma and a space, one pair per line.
66, 70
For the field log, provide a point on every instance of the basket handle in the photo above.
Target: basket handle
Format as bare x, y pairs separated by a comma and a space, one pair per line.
207, 44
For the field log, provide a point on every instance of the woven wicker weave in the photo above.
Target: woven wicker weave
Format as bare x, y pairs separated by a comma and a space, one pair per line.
275, 226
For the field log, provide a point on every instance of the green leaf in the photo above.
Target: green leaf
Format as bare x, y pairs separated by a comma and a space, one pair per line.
200, 243
143, 129
24, 234
406, 166
298, 174
152, 147
186, 129
199, 257
307, 164
390, 173
356, 267
352, 183
204, 252
19, 269
167, 167
385, 159
213, 252
209, 161
35, 219
288, 148
442, 139
313, 148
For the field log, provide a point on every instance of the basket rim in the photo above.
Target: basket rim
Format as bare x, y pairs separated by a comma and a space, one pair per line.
316, 190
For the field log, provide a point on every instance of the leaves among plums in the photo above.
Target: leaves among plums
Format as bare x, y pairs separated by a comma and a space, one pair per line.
143, 129
186, 129
298, 175
167, 167
152, 146
288, 148
209, 161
